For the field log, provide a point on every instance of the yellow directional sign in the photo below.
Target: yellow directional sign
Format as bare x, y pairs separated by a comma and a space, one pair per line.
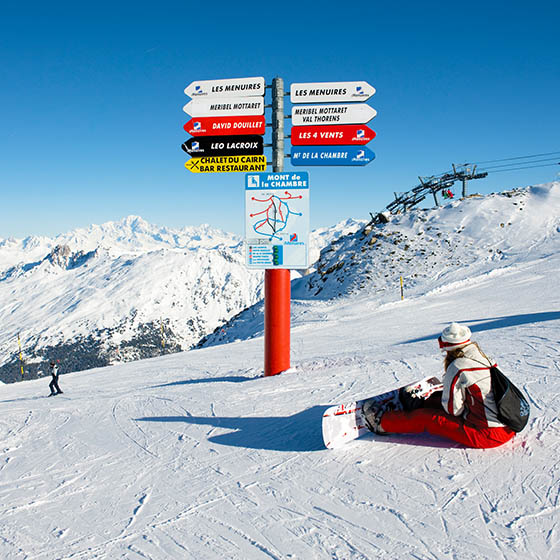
226, 164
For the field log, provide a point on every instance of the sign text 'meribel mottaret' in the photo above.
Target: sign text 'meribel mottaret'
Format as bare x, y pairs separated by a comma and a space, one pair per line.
250, 144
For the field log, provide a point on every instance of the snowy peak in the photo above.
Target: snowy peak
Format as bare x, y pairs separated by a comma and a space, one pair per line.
121, 291
431, 249
63, 257
127, 236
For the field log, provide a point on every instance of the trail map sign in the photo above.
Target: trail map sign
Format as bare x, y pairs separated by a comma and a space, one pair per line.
226, 164
277, 220
324, 92
209, 126
358, 113
331, 155
250, 144
224, 106
334, 135
233, 87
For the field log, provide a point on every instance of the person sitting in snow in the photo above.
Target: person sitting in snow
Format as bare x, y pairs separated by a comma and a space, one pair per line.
468, 412
54, 382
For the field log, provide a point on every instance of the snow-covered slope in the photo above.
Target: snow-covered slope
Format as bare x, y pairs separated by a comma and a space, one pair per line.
195, 455
435, 249
117, 292
121, 291
436, 246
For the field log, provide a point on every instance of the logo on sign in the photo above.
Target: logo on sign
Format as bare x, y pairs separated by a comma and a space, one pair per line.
293, 238
360, 156
360, 133
253, 181
197, 125
195, 147
359, 92
197, 89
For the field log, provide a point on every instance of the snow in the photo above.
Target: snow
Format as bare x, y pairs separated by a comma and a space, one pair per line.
110, 284
196, 455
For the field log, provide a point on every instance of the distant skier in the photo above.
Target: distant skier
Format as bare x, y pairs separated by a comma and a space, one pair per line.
469, 414
54, 382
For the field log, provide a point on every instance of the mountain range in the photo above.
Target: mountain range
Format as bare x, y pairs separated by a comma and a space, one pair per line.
121, 291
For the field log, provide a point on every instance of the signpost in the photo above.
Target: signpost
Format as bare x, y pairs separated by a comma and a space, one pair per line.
331, 155
277, 220
341, 135
227, 126
226, 164
233, 87
324, 92
358, 113
250, 144
224, 106
209, 126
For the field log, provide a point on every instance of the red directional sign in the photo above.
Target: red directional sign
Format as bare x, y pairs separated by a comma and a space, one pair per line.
332, 135
214, 126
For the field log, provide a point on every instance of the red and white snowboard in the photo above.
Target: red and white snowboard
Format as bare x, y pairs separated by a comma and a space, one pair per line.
344, 422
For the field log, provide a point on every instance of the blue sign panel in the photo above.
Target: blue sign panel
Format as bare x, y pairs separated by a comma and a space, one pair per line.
278, 180
331, 155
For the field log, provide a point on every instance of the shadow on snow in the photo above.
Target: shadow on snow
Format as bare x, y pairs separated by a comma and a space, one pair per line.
224, 379
299, 432
497, 323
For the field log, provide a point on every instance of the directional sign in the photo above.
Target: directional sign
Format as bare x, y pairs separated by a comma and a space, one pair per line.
332, 155
208, 126
234, 87
226, 164
358, 113
336, 92
224, 106
277, 220
341, 135
250, 144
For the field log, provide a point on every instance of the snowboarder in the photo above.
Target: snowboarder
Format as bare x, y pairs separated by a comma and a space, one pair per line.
469, 414
54, 382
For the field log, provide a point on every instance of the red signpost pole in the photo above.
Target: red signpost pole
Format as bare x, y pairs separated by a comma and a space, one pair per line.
276, 321
277, 281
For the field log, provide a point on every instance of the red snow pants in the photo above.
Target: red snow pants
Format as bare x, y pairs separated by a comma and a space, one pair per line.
439, 423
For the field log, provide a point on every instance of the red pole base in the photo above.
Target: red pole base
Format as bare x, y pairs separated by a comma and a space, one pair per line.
276, 321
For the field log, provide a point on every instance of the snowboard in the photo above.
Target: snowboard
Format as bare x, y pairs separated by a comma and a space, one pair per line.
345, 422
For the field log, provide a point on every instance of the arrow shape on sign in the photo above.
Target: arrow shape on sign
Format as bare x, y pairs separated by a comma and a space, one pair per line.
324, 92
248, 144
233, 87
358, 113
224, 106
208, 126
333, 135
331, 155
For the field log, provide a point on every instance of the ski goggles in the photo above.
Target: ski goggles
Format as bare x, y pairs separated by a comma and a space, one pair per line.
451, 345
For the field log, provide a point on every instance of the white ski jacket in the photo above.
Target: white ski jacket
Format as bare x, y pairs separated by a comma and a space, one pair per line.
467, 390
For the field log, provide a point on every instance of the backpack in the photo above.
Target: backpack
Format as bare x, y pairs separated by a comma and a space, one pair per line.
513, 408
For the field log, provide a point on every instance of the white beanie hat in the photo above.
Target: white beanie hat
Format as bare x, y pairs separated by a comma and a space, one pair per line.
454, 336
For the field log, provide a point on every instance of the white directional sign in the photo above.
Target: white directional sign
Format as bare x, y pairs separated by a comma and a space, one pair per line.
334, 92
277, 220
224, 106
359, 113
234, 87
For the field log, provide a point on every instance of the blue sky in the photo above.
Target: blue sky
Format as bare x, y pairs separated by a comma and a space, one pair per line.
92, 98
